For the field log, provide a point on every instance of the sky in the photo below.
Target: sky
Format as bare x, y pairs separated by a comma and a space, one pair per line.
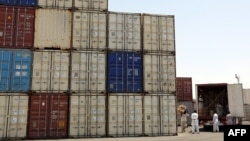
212, 37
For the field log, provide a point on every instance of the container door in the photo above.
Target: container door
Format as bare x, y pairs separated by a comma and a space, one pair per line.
38, 116
4, 102
7, 20
5, 69
18, 114
235, 99
58, 116
20, 81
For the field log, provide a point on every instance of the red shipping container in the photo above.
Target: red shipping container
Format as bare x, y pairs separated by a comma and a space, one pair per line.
184, 89
17, 27
48, 116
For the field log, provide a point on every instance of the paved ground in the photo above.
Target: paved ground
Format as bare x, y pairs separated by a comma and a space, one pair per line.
187, 136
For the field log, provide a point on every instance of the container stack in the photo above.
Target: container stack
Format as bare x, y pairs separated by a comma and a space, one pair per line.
88, 96
184, 96
159, 70
246, 102
16, 40
73, 69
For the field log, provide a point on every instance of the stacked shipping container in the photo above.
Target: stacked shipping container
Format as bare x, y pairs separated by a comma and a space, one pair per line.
93, 73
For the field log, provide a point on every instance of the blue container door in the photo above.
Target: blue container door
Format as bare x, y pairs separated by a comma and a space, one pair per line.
124, 72
134, 75
5, 69
21, 68
115, 72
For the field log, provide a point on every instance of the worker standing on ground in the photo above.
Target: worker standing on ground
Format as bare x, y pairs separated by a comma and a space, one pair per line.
229, 118
195, 122
184, 116
215, 122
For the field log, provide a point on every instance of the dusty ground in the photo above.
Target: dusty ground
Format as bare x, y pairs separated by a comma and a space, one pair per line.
187, 136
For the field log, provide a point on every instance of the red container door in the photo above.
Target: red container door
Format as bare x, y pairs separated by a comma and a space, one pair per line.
58, 116
7, 21
24, 33
48, 116
38, 116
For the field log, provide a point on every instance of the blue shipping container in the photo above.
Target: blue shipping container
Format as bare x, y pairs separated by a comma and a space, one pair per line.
19, 2
124, 72
15, 69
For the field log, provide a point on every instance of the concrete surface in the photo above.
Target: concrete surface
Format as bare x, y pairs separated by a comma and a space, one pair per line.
186, 136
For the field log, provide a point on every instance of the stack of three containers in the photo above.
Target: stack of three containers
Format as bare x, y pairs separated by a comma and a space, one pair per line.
16, 41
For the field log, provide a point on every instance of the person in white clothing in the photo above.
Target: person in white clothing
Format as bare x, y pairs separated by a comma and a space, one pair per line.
184, 116
215, 122
195, 122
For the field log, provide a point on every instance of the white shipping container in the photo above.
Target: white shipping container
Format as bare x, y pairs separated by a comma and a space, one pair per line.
158, 32
13, 116
159, 73
235, 99
246, 96
50, 71
52, 28
168, 115
88, 71
99, 5
124, 31
87, 116
125, 115
89, 30
152, 115
55, 3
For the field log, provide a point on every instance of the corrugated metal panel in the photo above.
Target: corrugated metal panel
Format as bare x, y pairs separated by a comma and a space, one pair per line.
246, 96
99, 5
64, 4
159, 73
158, 33
48, 116
124, 72
125, 115
52, 28
50, 71
87, 116
247, 112
89, 30
15, 66
19, 2
124, 31
88, 71
152, 115
13, 116
184, 89
235, 99
168, 115
16, 27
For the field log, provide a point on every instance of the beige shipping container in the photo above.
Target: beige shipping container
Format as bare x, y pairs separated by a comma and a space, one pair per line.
246, 96
50, 71
124, 31
235, 99
88, 71
168, 115
87, 116
89, 30
97, 5
13, 116
125, 115
158, 33
159, 73
160, 115
64, 4
52, 29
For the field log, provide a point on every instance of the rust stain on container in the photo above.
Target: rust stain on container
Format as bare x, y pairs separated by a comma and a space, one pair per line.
16, 27
48, 116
